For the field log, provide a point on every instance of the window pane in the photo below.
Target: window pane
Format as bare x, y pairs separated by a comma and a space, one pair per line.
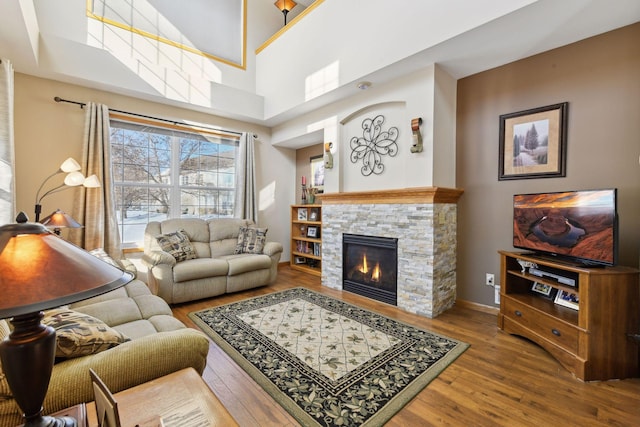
207, 203
143, 158
209, 149
227, 180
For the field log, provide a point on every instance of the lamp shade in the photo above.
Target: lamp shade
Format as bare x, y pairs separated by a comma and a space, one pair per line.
42, 271
91, 182
70, 165
74, 179
285, 5
60, 219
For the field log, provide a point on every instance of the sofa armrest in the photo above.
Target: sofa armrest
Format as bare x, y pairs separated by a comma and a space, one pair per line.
127, 365
129, 266
272, 248
153, 258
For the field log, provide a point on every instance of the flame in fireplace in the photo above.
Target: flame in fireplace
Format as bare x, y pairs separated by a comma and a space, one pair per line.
375, 275
364, 268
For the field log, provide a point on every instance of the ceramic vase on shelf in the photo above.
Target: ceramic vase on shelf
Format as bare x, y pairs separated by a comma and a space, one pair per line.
311, 195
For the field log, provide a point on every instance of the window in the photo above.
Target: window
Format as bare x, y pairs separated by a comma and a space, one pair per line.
161, 173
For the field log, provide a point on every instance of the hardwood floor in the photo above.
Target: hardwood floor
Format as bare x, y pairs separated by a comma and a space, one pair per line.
500, 380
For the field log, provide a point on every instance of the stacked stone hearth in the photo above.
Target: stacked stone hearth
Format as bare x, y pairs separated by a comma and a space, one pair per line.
423, 220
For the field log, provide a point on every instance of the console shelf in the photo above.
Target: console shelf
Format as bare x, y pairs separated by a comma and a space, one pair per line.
592, 341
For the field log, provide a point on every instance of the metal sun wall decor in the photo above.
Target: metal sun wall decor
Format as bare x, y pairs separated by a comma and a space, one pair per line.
374, 144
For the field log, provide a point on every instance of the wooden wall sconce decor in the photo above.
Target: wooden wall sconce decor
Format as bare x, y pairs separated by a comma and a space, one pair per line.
417, 136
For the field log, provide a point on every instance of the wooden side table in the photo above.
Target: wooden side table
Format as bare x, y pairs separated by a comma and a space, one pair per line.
178, 399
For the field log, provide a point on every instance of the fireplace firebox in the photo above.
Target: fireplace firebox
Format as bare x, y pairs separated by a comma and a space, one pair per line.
370, 267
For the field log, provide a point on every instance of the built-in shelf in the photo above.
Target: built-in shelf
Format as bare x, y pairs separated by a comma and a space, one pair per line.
306, 238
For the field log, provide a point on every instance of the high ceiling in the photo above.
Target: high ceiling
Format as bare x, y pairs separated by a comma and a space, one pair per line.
56, 39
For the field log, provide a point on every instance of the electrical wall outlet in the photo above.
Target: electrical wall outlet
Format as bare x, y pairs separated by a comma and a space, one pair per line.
496, 295
490, 279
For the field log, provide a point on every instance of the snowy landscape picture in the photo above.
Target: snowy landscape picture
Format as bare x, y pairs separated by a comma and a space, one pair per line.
533, 143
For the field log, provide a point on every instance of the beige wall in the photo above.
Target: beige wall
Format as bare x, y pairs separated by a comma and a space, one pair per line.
47, 132
600, 78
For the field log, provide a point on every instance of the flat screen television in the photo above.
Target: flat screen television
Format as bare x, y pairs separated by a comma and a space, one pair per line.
580, 226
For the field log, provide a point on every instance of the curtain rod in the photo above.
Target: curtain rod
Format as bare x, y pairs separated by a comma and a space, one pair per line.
82, 104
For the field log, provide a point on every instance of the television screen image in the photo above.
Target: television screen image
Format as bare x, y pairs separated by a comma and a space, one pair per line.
581, 225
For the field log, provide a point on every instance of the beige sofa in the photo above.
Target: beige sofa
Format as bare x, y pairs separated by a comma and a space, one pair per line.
160, 344
216, 270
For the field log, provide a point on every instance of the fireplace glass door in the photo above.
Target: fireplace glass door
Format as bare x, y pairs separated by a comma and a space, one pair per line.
370, 266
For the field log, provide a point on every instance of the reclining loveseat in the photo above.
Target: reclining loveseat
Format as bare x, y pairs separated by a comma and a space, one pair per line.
192, 258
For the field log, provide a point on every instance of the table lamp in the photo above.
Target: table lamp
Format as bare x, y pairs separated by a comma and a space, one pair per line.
42, 271
58, 220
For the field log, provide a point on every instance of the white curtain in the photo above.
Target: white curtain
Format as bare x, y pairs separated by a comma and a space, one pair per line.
96, 208
7, 180
246, 204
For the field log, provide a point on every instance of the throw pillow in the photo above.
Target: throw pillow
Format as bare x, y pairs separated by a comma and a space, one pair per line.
79, 334
251, 240
178, 245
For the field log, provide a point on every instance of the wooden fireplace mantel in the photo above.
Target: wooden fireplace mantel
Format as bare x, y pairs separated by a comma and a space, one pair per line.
416, 195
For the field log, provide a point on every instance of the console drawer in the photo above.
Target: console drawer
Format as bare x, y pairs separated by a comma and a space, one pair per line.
544, 325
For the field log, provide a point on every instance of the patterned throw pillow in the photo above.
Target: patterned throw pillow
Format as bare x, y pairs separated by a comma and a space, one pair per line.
178, 245
79, 334
251, 240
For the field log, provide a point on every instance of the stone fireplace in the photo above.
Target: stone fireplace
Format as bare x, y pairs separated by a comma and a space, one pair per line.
423, 220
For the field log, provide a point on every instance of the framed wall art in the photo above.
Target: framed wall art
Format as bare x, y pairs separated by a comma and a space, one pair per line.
533, 143
317, 173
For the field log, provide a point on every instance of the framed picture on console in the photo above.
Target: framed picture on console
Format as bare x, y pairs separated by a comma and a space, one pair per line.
533, 143
302, 214
546, 291
567, 299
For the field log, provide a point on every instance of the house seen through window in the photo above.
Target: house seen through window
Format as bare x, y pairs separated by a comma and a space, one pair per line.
161, 173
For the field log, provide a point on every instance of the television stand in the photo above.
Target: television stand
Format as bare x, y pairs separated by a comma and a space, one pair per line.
594, 340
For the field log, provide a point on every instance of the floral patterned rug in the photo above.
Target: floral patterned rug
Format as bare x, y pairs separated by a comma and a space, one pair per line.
328, 363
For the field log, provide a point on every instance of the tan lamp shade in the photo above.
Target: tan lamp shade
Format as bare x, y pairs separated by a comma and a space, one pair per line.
60, 219
42, 271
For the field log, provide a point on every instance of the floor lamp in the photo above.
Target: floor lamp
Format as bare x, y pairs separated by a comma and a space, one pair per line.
42, 271
285, 7
74, 178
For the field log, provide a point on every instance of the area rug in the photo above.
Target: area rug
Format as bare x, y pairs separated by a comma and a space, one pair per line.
328, 363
